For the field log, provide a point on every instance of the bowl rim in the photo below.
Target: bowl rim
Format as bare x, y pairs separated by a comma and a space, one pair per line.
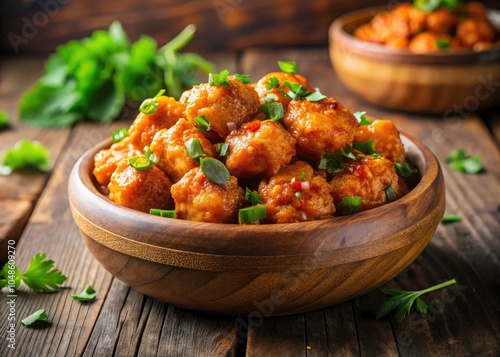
340, 36
247, 248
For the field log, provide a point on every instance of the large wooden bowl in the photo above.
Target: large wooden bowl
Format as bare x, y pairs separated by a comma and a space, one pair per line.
448, 82
262, 269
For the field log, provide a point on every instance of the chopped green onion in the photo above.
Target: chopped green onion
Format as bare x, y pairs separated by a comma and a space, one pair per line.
451, 218
87, 294
214, 170
202, 123
459, 161
349, 205
140, 163
271, 83
296, 90
167, 213
315, 96
429, 6
119, 134
222, 149
404, 170
298, 195
362, 119
270, 97
252, 214
38, 315
220, 79
150, 105
288, 67
442, 43
389, 192
366, 148
4, 120
303, 175
272, 110
243, 78
194, 149
252, 197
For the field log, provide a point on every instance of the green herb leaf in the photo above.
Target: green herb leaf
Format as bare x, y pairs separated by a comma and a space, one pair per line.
366, 148
272, 110
288, 67
362, 119
220, 79
214, 170
222, 149
42, 276
332, 162
271, 83
4, 120
10, 273
119, 134
194, 149
163, 213
442, 43
315, 96
347, 152
253, 214
296, 90
451, 218
426, 6
302, 176
252, 197
87, 294
38, 315
25, 154
349, 205
243, 78
202, 123
401, 301
459, 161
391, 195
404, 170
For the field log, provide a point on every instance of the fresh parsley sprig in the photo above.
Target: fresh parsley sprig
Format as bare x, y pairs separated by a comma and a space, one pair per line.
459, 161
403, 301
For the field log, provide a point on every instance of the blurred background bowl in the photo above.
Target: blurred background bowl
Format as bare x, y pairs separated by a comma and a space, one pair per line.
435, 82
272, 269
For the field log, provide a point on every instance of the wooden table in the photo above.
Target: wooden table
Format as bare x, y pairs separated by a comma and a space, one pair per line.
462, 320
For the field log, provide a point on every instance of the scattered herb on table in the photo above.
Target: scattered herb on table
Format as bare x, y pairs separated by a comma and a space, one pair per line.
87, 294
403, 301
451, 218
92, 78
4, 120
25, 154
38, 315
459, 161
40, 276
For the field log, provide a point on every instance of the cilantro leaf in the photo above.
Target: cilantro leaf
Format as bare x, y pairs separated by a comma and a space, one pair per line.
366, 148
42, 276
271, 83
219, 79
87, 294
10, 273
333, 162
459, 161
252, 197
272, 110
38, 315
25, 154
362, 119
4, 120
402, 301
404, 170
288, 67
243, 78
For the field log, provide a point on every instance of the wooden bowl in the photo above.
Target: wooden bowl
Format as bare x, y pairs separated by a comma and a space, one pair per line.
272, 269
448, 82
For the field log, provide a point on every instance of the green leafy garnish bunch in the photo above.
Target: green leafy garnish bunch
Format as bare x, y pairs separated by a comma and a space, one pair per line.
459, 161
25, 154
92, 78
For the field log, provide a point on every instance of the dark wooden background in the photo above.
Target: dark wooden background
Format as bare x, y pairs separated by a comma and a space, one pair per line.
222, 24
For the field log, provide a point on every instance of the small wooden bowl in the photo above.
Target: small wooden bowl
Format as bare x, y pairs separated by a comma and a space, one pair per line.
448, 82
269, 269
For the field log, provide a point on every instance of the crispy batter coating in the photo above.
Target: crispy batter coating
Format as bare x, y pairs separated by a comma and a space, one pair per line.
367, 177
473, 31
145, 126
140, 190
385, 138
259, 148
261, 89
279, 194
319, 127
442, 21
221, 105
427, 42
105, 161
407, 20
198, 199
169, 146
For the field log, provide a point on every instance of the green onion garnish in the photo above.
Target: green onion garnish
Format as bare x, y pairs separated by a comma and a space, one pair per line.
298, 195
252, 214
272, 110
442, 43
288, 67
168, 213
150, 105
366, 148
391, 196
119, 134
194, 149
243, 78
349, 205
315, 96
222, 149
252, 197
296, 90
220, 79
214, 170
271, 83
362, 119
303, 175
451, 218
140, 163
404, 170
202, 123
